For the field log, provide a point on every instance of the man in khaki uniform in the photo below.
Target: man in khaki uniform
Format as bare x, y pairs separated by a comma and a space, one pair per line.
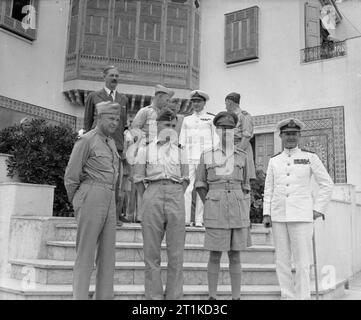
90, 180
244, 129
222, 181
109, 93
162, 165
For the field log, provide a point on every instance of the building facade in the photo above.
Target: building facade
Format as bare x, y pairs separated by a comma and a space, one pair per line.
284, 63
276, 54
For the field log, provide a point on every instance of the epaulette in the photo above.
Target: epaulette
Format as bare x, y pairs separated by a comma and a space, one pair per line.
276, 154
307, 151
210, 113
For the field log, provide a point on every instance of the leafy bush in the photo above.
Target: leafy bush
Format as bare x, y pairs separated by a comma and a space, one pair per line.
40, 155
257, 189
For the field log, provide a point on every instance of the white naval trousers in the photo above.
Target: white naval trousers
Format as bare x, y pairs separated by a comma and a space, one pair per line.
293, 239
188, 198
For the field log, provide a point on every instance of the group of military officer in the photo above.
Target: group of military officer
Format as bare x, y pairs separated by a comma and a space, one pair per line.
217, 163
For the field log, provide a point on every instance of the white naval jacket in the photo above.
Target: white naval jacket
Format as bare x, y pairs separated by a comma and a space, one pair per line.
198, 134
288, 189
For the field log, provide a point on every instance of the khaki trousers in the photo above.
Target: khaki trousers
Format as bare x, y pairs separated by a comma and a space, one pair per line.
94, 210
293, 239
163, 212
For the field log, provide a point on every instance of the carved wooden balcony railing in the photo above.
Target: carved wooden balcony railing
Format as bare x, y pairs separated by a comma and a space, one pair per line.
131, 71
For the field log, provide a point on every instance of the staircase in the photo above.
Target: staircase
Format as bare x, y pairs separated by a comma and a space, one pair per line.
53, 276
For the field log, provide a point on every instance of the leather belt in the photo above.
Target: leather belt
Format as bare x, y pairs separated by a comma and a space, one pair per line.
163, 181
225, 186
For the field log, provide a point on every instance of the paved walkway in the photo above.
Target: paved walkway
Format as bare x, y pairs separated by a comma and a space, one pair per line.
354, 290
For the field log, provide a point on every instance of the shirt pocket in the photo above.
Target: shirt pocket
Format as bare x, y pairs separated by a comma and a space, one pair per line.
212, 206
243, 202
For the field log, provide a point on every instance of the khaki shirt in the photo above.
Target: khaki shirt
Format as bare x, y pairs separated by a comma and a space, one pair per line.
226, 179
158, 161
146, 121
244, 126
288, 194
94, 157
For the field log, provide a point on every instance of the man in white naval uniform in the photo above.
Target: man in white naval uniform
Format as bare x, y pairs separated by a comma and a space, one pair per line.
197, 135
290, 208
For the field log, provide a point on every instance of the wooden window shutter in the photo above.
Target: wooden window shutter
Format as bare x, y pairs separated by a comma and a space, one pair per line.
241, 35
312, 25
26, 28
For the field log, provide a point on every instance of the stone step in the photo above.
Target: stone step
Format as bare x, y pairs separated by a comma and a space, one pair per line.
131, 232
128, 251
61, 272
11, 289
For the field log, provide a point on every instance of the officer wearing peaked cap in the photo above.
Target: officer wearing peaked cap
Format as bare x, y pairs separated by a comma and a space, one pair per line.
222, 181
288, 206
196, 135
90, 180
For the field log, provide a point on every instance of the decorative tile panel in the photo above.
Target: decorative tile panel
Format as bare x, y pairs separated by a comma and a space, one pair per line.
37, 111
324, 133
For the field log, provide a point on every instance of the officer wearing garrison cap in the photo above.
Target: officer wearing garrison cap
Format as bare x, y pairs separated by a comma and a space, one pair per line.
222, 181
90, 181
196, 135
162, 165
289, 207
110, 93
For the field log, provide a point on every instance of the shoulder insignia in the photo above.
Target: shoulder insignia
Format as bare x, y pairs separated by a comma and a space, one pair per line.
210, 113
275, 155
304, 150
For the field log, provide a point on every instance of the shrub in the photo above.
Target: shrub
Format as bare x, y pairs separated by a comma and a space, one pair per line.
40, 155
257, 189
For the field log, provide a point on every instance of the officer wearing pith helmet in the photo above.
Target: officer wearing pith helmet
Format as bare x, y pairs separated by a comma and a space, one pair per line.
222, 181
90, 180
289, 208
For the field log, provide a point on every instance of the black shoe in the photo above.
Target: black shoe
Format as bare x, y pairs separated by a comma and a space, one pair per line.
212, 298
124, 219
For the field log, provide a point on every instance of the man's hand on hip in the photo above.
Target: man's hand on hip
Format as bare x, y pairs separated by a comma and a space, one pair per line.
267, 222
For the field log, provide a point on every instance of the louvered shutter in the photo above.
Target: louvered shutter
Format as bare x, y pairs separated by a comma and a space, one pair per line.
26, 28
312, 25
241, 35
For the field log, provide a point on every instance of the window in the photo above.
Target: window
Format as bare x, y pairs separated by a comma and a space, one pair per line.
20, 17
241, 38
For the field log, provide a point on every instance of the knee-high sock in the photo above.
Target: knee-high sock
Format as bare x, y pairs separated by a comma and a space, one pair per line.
235, 273
213, 271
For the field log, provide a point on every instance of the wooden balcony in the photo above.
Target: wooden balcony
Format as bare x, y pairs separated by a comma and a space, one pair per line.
132, 71
150, 41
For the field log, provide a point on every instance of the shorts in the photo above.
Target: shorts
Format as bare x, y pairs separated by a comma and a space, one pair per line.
226, 239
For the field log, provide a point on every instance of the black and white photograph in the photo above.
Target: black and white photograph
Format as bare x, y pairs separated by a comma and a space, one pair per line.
180, 150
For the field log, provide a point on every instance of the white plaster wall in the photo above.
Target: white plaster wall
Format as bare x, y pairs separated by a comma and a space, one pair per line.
279, 82
34, 72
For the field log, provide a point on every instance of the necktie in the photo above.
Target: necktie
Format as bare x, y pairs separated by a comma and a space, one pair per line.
111, 95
